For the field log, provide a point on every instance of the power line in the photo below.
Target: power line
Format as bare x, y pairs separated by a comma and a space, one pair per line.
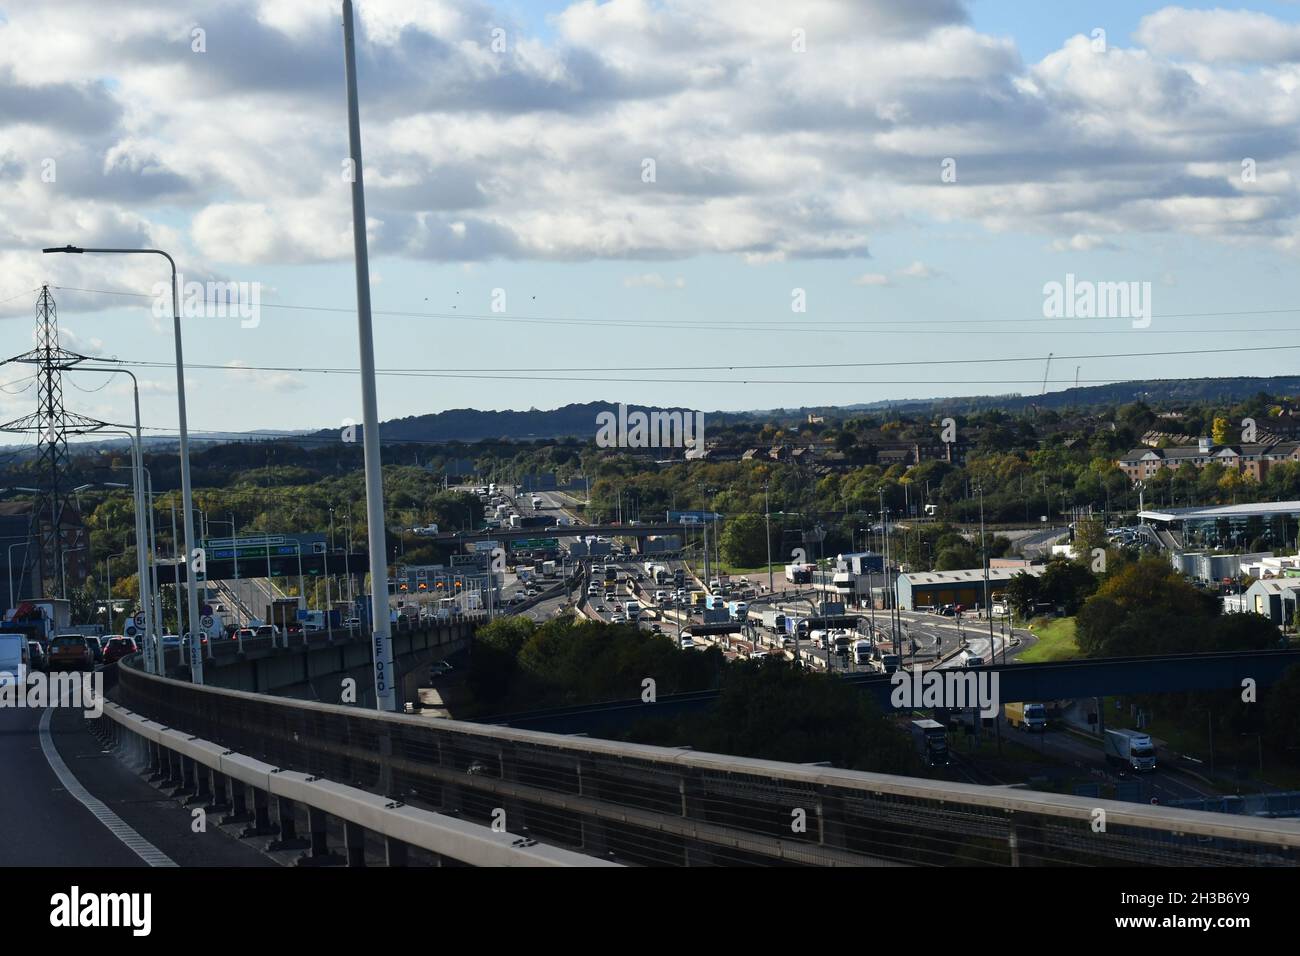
781, 325
530, 374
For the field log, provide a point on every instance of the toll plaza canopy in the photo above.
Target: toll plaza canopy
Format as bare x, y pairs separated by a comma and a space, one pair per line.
1234, 526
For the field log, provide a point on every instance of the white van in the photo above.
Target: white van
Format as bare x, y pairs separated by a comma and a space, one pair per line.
14, 659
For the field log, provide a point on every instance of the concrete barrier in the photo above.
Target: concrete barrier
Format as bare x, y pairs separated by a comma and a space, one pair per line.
394, 821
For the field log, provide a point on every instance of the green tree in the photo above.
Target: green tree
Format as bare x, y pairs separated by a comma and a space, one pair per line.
744, 540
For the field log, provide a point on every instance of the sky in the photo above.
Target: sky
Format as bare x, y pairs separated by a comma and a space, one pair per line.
717, 205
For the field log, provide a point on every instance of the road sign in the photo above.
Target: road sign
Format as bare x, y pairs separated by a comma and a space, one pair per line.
139, 619
205, 622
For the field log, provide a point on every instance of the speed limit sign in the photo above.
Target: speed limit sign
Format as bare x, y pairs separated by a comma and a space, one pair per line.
139, 619
205, 622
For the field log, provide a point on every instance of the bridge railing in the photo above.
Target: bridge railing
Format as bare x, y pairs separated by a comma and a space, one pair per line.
238, 789
664, 806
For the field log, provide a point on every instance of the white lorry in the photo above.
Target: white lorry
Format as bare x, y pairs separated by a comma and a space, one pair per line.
1131, 748
14, 658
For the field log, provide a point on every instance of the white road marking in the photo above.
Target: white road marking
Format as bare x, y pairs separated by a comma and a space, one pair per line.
116, 825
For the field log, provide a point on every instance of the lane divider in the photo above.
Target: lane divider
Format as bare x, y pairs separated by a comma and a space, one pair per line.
137, 844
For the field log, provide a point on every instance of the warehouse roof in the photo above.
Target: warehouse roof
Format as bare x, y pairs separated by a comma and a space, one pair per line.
969, 576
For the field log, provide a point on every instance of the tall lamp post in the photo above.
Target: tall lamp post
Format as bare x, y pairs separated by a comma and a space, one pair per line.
381, 627
196, 660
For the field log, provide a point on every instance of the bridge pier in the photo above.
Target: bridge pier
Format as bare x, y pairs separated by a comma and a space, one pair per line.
218, 802
397, 853
289, 839
159, 763
318, 851
201, 778
354, 840
262, 825
173, 776
238, 803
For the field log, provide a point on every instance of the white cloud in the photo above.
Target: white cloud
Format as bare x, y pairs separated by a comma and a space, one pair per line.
1210, 36
235, 155
918, 270
872, 278
653, 280
1081, 243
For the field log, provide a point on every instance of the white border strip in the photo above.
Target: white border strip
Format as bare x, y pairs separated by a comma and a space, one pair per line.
116, 826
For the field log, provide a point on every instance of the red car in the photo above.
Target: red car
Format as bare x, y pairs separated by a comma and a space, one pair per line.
118, 648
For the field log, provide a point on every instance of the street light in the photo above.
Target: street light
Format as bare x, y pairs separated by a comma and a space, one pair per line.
196, 663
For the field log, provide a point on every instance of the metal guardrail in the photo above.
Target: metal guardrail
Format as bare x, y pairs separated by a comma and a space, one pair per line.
664, 806
229, 782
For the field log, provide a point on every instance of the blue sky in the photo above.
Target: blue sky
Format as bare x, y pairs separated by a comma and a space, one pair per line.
775, 173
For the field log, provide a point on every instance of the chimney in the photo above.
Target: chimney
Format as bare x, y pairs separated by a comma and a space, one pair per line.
1203, 445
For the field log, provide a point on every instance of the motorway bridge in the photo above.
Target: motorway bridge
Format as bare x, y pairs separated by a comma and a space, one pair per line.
1057, 680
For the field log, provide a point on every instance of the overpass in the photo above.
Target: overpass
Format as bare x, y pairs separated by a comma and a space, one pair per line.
1057, 680
408, 779
358, 562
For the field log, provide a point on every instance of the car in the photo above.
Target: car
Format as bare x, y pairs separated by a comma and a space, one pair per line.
601, 608
353, 622
440, 669
661, 596
96, 648
947, 610
119, 647
656, 629
70, 652
618, 619
245, 634
171, 642
533, 592
267, 630
519, 597
38, 656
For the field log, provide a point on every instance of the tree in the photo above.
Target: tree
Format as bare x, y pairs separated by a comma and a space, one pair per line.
1282, 710
1066, 584
1219, 432
1022, 592
957, 558
744, 540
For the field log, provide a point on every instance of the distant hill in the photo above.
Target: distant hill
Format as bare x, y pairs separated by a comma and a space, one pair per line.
471, 424
1151, 391
579, 420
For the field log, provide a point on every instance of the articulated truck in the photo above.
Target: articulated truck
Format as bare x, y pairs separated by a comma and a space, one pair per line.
1027, 716
931, 740
1129, 748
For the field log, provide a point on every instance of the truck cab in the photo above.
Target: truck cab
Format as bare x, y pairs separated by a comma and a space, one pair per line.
1129, 748
931, 741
